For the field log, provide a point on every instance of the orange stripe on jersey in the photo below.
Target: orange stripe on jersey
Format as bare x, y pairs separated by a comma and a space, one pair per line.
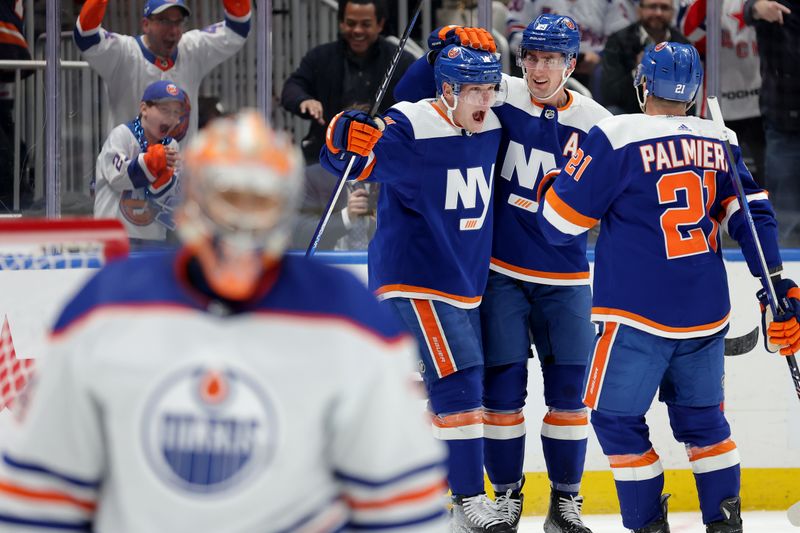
633, 460
696, 453
562, 418
503, 419
567, 212
45, 496
570, 99
601, 352
424, 290
656, 325
434, 337
92, 14
794, 292
423, 494
444, 116
540, 273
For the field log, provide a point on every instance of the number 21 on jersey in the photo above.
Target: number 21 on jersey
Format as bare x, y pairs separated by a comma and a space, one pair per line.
683, 235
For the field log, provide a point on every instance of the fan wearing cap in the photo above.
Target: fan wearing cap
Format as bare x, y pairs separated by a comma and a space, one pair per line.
136, 170
163, 51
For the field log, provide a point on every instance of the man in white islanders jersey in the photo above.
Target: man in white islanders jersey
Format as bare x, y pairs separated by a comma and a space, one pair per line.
128, 64
226, 386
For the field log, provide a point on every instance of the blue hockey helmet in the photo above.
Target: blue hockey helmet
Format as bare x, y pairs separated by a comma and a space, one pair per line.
552, 33
672, 71
458, 65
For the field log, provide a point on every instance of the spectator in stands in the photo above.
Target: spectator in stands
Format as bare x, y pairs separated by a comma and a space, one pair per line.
347, 70
624, 49
12, 46
136, 169
739, 76
129, 64
597, 20
777, 25
352, 223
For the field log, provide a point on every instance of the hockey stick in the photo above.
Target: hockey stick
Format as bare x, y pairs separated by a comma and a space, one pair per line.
312, 247
766, 281
794, 514
741, 345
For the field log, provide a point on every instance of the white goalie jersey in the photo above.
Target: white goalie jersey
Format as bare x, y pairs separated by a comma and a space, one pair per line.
158, 410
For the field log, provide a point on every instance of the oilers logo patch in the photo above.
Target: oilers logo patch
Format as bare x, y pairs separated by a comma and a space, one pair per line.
208, 430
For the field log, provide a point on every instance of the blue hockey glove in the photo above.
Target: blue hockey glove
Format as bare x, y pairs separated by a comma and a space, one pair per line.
477, 38
546, 183
353, 131
783, 331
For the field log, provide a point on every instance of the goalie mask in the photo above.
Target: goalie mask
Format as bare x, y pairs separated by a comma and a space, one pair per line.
242, 185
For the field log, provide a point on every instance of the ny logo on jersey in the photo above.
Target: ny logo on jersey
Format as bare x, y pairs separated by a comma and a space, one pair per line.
528, 170
467, 190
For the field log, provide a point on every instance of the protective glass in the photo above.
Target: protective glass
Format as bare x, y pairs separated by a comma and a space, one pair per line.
484, 95
531, 59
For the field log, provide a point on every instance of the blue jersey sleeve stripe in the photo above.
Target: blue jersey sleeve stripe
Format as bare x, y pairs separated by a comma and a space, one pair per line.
137, 174
32, 467
373, 483
242, 28
436, 515
46, 524
85, 42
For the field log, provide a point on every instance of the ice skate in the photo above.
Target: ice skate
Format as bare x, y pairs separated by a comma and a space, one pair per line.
509, 505
661, 525
477, 514
564, 514
732, 510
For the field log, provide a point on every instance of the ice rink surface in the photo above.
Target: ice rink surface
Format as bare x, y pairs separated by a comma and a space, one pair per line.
754, 522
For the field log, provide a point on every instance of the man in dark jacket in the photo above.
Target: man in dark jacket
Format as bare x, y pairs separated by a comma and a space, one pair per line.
348, 70
624, 49
777, 27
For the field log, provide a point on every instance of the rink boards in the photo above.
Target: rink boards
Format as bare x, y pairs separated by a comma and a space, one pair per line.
760, 402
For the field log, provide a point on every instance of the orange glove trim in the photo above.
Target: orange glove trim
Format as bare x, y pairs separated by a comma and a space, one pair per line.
237, 8
361, 138
547, 178
329, 135
794, 292
92, 14
444, 29
477, 38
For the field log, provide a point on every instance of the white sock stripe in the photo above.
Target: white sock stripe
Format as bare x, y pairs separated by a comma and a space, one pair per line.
716, 462
503, 432
638, 473
551, 431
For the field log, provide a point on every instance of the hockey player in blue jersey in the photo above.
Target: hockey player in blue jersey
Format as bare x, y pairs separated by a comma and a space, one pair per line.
429, 259
661, 185
537, 293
